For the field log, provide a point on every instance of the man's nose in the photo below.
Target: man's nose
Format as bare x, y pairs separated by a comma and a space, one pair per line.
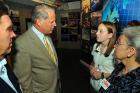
13, 34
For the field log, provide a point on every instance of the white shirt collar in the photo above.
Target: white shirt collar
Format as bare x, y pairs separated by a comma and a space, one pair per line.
38, 33
3, 62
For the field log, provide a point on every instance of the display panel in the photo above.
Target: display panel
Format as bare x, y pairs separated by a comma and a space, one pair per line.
121, 11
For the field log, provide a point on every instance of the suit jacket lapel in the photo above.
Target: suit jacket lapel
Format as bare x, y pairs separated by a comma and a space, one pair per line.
13, 79
5, 87
39, 44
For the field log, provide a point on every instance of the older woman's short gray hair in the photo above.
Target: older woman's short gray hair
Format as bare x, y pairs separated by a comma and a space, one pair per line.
133, 36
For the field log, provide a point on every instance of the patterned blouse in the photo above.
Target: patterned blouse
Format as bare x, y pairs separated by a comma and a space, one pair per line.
129, 83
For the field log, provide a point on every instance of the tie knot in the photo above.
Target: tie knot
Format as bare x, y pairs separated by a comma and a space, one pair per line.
45, 38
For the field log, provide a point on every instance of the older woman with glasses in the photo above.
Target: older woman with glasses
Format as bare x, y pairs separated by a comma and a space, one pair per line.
126, 76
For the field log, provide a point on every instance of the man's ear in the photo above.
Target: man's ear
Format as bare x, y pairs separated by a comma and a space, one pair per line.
37, 22
131, 51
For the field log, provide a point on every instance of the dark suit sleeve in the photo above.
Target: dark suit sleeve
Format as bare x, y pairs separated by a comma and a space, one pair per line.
22, 66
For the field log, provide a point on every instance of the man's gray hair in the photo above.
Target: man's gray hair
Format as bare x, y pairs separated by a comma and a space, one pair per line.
133, 36
41, 12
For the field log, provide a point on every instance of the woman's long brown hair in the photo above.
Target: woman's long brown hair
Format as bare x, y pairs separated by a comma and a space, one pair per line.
111, 28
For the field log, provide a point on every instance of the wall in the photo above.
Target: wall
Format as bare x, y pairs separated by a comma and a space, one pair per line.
67, 7
24, 12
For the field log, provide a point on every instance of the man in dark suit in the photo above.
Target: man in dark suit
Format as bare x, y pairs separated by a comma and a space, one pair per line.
8, 81
36, 63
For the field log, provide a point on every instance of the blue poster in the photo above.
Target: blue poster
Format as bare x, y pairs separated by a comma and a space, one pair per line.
96, 5
121, 11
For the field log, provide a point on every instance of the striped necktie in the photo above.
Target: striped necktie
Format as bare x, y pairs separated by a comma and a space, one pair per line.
51, 52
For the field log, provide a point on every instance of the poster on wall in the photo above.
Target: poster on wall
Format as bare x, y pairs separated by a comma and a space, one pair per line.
121, 12
96, 5
96, 9
85, 19
86, 26
85, 6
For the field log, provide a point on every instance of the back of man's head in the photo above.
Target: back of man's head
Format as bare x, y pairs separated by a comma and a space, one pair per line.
41, 12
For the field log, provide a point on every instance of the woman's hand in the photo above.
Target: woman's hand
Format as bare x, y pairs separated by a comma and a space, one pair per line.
95, 73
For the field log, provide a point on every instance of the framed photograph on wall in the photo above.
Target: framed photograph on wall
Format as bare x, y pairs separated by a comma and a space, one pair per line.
85, 7
96, 5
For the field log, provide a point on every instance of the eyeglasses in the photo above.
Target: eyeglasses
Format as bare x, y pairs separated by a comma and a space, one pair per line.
118, 43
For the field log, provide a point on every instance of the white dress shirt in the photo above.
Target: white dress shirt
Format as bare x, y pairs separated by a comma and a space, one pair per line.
3, 74
102, 63
41, 37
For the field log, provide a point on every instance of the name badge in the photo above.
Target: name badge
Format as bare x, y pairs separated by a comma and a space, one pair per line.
104, 83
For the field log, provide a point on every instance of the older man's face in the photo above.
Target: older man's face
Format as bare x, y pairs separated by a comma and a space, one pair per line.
46, 26
6, 35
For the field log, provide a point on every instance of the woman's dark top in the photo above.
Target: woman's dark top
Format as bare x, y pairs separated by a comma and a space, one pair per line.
128, 83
